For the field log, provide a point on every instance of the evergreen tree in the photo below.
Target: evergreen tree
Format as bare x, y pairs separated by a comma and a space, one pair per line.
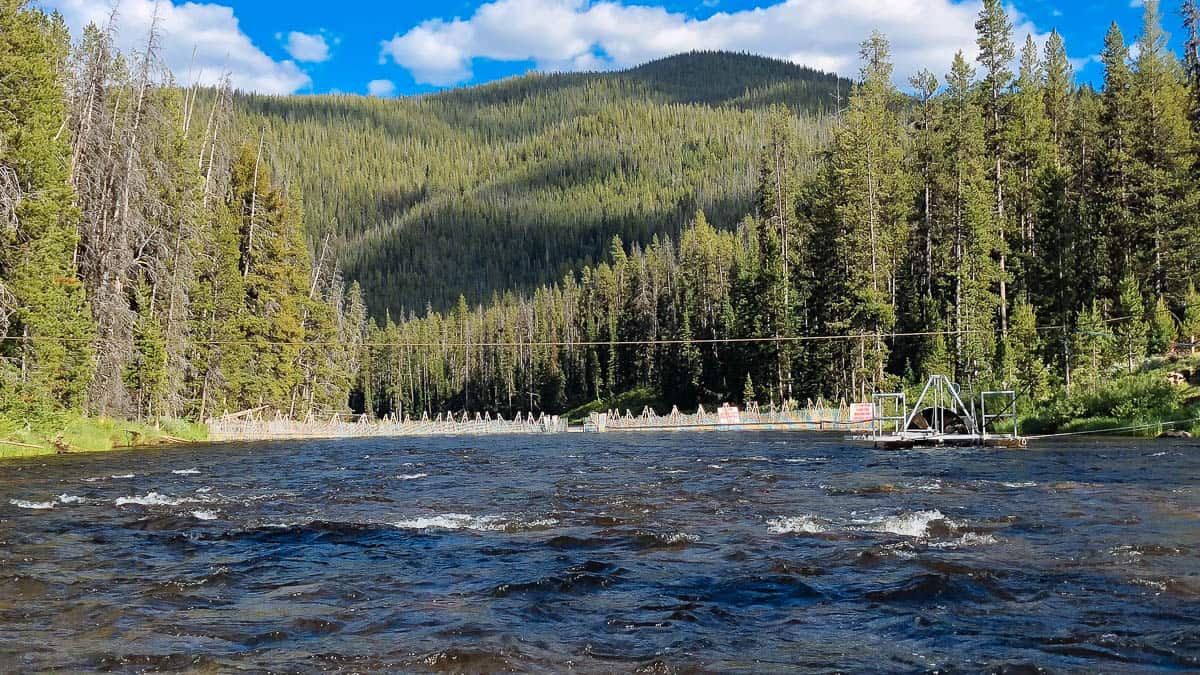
1029, 370
874, 199
972, 229
1131, 329
1115, 193
1162, 329
996, 51
1059, 91
1161, 144
1091, 346
1189, 329
1029, 146
47, 360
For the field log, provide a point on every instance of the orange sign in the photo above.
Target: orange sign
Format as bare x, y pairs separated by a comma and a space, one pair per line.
862, 412
728, 414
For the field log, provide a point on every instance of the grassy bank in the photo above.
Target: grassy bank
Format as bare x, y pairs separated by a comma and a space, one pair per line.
1158, 395
634, 401
86, 434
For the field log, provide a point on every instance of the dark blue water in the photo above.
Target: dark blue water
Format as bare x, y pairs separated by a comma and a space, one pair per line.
711, 552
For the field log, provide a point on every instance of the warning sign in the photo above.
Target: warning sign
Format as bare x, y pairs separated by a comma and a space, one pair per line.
862, 412
728, 414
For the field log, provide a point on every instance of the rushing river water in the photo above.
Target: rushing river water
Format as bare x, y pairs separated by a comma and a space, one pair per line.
725, 552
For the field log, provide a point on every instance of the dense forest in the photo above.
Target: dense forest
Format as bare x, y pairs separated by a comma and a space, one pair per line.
514, 184
149, 265
545, 242
1001, 224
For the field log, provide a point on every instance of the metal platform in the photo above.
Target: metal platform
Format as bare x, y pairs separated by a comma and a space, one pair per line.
910, 441
940, 418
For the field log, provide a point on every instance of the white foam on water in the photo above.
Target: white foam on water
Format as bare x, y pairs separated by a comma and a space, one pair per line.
412, 476
464, 521
544, 522
968, 539
1026, 484
124, 476
204, 490
69, 499
808, 524
680, 538
1159, 586
715, 466
35, 506
153, 499
914, 524
454, 521
204, 515
186, 472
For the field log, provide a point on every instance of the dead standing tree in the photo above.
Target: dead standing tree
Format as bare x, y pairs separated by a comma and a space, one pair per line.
115, 119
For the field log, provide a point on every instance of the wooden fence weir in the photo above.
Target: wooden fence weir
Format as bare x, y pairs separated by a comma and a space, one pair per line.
256, 426
262, 424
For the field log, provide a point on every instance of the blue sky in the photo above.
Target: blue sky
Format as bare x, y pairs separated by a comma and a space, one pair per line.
389, 47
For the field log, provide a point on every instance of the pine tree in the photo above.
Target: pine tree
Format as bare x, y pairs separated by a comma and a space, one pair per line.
1162, 329
781, 241
1115, 194
47, 326
1029, 369
1029, 146
1131, 329
1189, 329
874, 201
1059, 91
996, 51
972, 229
1057, 230
1091, 345
1161, 143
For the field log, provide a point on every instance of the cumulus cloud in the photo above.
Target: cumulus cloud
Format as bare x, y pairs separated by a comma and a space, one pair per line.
306, 47
600, 34
200, 41
381, 88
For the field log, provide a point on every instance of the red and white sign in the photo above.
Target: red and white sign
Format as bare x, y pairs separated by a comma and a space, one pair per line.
728, 414
862, 412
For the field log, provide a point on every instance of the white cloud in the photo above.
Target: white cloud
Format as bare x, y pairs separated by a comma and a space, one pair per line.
200, 41
591, 34
307, 48
381, 88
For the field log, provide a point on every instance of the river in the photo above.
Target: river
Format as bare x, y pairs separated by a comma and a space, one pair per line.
730, 552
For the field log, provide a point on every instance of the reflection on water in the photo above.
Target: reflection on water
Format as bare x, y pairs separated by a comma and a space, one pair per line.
730, 552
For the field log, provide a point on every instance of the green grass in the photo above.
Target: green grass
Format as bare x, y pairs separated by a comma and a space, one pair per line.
92, 434
634, 401
1143, 398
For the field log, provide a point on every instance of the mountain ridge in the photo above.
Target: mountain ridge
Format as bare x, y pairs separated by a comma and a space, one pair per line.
507, 185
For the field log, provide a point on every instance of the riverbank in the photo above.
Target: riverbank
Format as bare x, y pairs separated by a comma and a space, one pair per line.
84, 434
1161, 394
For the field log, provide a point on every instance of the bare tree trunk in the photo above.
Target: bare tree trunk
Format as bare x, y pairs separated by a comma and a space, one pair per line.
253, 203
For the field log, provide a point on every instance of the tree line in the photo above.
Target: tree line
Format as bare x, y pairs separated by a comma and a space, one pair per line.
149, 264
1003, 225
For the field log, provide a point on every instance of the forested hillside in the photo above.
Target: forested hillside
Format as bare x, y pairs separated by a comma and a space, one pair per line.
149, 265
514, 184
1011, 229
